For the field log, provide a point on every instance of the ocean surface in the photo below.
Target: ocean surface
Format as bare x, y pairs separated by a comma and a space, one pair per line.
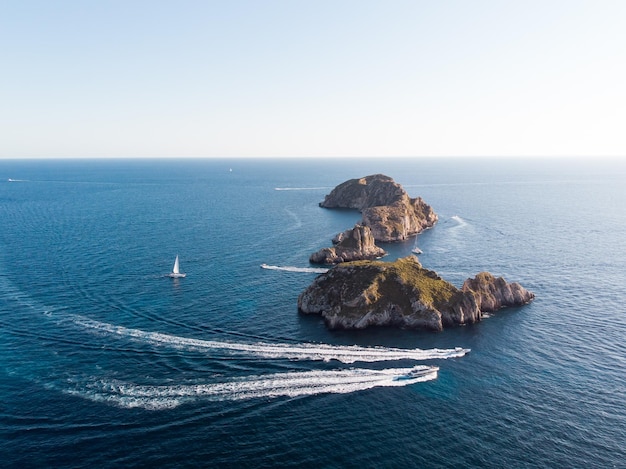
107, 362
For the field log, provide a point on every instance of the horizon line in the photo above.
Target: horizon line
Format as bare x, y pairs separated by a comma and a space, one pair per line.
292, 157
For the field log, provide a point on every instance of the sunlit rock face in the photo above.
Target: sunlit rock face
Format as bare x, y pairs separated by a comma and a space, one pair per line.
494, 293
386, 207
360, 294
351, 245
402, 293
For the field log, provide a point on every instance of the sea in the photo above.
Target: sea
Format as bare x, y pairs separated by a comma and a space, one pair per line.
107, 362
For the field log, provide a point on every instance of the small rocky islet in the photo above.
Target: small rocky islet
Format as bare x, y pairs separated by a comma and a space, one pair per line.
360, 291
385, 207
388, 215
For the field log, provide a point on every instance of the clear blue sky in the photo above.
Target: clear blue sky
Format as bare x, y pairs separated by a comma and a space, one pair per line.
128, 78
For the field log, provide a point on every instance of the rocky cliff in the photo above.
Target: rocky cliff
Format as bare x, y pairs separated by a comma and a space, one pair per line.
386, 207
402, 293
351, 245
359, 294
494, 293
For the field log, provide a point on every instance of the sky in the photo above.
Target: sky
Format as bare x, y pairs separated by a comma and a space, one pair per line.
295, 78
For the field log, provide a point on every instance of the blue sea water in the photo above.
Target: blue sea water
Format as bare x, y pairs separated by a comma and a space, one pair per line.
107, 362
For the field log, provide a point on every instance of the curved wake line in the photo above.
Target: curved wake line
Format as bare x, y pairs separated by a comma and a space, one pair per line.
313, 270
57, 181
292, 384
304, 351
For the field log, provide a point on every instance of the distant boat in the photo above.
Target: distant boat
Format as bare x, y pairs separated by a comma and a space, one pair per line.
417, 250
176, 270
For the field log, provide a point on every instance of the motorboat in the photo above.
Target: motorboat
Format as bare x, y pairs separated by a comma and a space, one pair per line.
417, 372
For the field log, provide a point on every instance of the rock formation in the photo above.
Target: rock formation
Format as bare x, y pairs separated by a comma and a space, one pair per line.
494, 293
351, 245
362, 293
386, 207
359, 294
402, 293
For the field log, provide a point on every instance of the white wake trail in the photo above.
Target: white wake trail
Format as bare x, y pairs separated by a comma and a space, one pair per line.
312, 270
292, 384
460, 222
303, 351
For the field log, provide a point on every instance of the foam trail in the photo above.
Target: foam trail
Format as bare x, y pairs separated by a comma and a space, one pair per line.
292, 384
312, 270
296, 219
459, 220
303, 351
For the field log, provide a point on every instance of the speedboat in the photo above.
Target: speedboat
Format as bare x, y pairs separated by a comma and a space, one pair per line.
417, 372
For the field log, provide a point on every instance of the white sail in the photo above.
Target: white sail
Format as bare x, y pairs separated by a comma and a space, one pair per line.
176, 270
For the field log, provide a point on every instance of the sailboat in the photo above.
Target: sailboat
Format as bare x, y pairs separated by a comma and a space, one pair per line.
176, 270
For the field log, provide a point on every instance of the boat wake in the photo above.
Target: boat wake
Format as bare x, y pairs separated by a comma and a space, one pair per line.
290, 384
312, 270
303, 351
160, 394
460, 222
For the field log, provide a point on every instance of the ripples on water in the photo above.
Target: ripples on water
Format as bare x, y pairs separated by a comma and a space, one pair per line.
106, 361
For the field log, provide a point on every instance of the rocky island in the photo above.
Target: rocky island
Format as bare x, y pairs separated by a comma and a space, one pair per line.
359, 294
351, 245
386, 208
